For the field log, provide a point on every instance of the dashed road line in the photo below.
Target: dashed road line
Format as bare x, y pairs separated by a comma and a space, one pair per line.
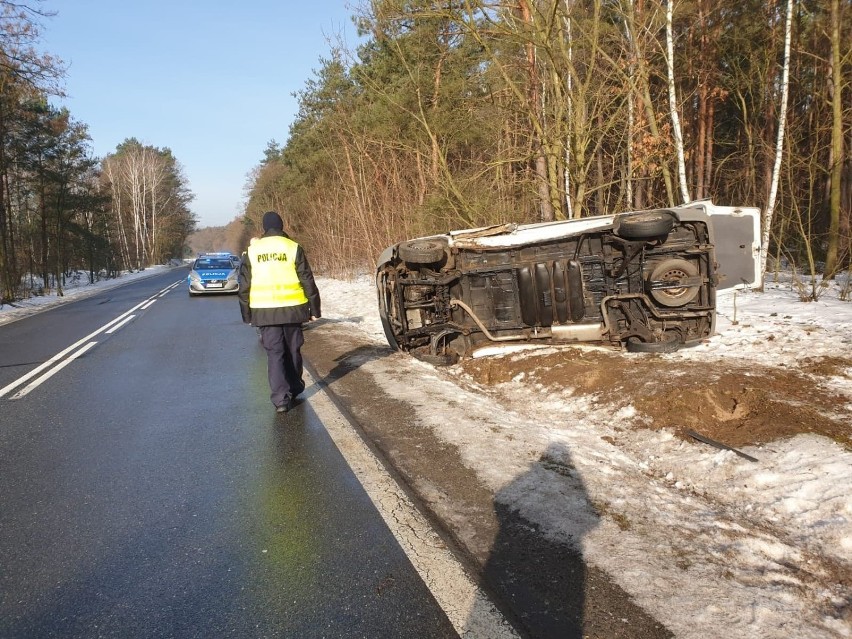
109, 327
39, 380
118, 326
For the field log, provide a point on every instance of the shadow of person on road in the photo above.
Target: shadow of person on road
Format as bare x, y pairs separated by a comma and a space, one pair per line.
535, 567
345, 364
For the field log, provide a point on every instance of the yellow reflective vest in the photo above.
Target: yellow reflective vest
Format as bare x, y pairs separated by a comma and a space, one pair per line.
274, 281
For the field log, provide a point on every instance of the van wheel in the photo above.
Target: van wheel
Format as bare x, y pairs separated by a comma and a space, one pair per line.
674, 270
386, 326
669, 344
422, 251
648, 225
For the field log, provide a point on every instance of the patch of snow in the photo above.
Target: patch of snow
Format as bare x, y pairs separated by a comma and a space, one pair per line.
708, 543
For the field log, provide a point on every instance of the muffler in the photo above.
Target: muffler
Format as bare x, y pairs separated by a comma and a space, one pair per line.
578, 333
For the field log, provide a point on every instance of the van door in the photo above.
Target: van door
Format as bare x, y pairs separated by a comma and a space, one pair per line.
735, 233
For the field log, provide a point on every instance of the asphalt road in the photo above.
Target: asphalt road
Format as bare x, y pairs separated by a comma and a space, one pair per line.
544, 587
148, 489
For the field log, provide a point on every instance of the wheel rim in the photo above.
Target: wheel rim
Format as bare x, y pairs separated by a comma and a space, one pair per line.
672, 272
675, 275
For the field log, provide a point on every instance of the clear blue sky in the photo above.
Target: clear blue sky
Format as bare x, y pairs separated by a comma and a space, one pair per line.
211, 80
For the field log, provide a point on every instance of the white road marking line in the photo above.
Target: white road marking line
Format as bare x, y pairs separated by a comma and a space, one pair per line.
60, 355
28, 376
148, 303
120, 324
52, 372
166, 290
467, 607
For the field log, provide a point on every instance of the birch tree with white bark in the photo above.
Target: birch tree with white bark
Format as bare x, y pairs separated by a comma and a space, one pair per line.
779, 141
112, 175
147, 190
676, 130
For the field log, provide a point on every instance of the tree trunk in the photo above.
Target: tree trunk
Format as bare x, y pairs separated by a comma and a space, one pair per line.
708, 148
545, 206
779, 143
644, 93
541, 172
678, 136
701, 137
569, 105
45, 271
7, 245
837, 159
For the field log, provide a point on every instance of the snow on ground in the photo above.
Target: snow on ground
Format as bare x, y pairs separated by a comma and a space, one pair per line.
707, 543
775, 328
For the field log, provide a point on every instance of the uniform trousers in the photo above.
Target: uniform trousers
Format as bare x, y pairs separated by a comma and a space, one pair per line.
283, 344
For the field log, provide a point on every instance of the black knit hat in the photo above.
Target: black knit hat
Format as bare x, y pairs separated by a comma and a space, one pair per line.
272, 220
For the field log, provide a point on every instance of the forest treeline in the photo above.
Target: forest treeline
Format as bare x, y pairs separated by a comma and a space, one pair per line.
463, 113
211, 239
61, 209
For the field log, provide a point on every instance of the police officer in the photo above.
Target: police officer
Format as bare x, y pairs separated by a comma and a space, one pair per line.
277, 294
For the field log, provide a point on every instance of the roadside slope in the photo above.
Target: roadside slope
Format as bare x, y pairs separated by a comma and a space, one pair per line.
699, 538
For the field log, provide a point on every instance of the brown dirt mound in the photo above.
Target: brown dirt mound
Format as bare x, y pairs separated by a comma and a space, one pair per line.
733, 404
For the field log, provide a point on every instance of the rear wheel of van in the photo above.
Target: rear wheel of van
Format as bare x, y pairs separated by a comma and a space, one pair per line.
422, 251
647, 225
669, 344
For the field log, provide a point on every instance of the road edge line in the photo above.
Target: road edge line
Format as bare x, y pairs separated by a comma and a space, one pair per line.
466, 605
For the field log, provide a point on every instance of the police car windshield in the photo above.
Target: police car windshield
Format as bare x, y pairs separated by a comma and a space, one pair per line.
206, 265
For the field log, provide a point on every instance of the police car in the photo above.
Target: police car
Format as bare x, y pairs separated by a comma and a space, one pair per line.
214, 273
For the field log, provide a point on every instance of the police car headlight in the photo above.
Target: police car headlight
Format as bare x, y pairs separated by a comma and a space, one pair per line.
233, 276
194, 277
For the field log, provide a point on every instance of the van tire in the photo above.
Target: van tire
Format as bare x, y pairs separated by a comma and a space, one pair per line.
673, 270
422, 251
669, 344
648, 225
